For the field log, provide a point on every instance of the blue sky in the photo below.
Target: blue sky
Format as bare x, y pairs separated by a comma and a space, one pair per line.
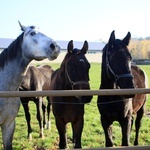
80, 20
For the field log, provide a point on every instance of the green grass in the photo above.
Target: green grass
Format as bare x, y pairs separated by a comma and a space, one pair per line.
93, 134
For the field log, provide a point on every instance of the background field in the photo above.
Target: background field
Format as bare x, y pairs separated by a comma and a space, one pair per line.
92, 136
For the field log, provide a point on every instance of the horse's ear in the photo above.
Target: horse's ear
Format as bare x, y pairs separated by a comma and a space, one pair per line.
126, 40
112, 38
22, 26
85, 47
70, 46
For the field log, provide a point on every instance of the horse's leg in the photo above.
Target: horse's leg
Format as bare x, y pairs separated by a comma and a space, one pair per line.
7, 134
73, 134
44, 113
132, 121
48, 113
61, 127
77, 127
25, 105
107, 126
39, 102
126, 129
138, 124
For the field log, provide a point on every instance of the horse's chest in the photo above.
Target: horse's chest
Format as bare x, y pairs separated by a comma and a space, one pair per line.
116, 110
10, 78
9, 108
68, 112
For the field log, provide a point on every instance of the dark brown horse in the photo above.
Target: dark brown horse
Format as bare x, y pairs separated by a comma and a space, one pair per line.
73, 74
140, 79
37, 79
116, 73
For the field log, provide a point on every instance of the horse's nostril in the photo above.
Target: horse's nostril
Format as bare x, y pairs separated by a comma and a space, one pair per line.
52, 46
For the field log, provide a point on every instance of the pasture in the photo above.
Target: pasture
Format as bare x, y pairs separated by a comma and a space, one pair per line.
93, 134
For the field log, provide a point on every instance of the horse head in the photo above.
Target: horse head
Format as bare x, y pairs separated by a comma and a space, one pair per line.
118, 62
77, 70
37, 45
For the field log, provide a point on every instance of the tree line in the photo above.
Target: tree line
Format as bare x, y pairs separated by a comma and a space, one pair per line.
140, 48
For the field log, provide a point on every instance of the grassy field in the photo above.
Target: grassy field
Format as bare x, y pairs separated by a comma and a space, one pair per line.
92, 136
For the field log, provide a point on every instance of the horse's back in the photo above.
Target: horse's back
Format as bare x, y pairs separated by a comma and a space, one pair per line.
46, 70
37, 78
140, 79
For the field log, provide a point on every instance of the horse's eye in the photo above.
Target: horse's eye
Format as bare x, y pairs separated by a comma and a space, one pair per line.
32, 33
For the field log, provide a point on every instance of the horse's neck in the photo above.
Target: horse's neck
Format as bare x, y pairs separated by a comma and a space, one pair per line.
62, 79
106, 83
12, 73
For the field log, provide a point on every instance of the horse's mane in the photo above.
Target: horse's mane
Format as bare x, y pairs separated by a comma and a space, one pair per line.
64, 60
11, 52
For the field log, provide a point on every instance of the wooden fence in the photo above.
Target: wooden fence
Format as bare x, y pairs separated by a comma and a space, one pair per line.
83, 93
74, 92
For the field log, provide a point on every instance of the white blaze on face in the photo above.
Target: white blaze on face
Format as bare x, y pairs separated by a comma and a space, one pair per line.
81, 60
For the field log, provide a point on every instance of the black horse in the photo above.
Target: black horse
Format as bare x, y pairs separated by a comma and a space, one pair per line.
116, 73
37, 79
73, 74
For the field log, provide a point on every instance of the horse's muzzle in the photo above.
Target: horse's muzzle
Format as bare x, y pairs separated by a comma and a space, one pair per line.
86, 99
128, 96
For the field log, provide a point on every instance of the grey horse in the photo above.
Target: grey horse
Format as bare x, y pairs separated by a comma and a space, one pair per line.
14, 60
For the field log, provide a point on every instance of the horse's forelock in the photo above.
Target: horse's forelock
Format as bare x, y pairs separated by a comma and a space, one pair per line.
75, 50
119, 43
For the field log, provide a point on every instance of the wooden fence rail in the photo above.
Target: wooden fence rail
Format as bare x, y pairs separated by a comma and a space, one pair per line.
74, 92
82, 93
